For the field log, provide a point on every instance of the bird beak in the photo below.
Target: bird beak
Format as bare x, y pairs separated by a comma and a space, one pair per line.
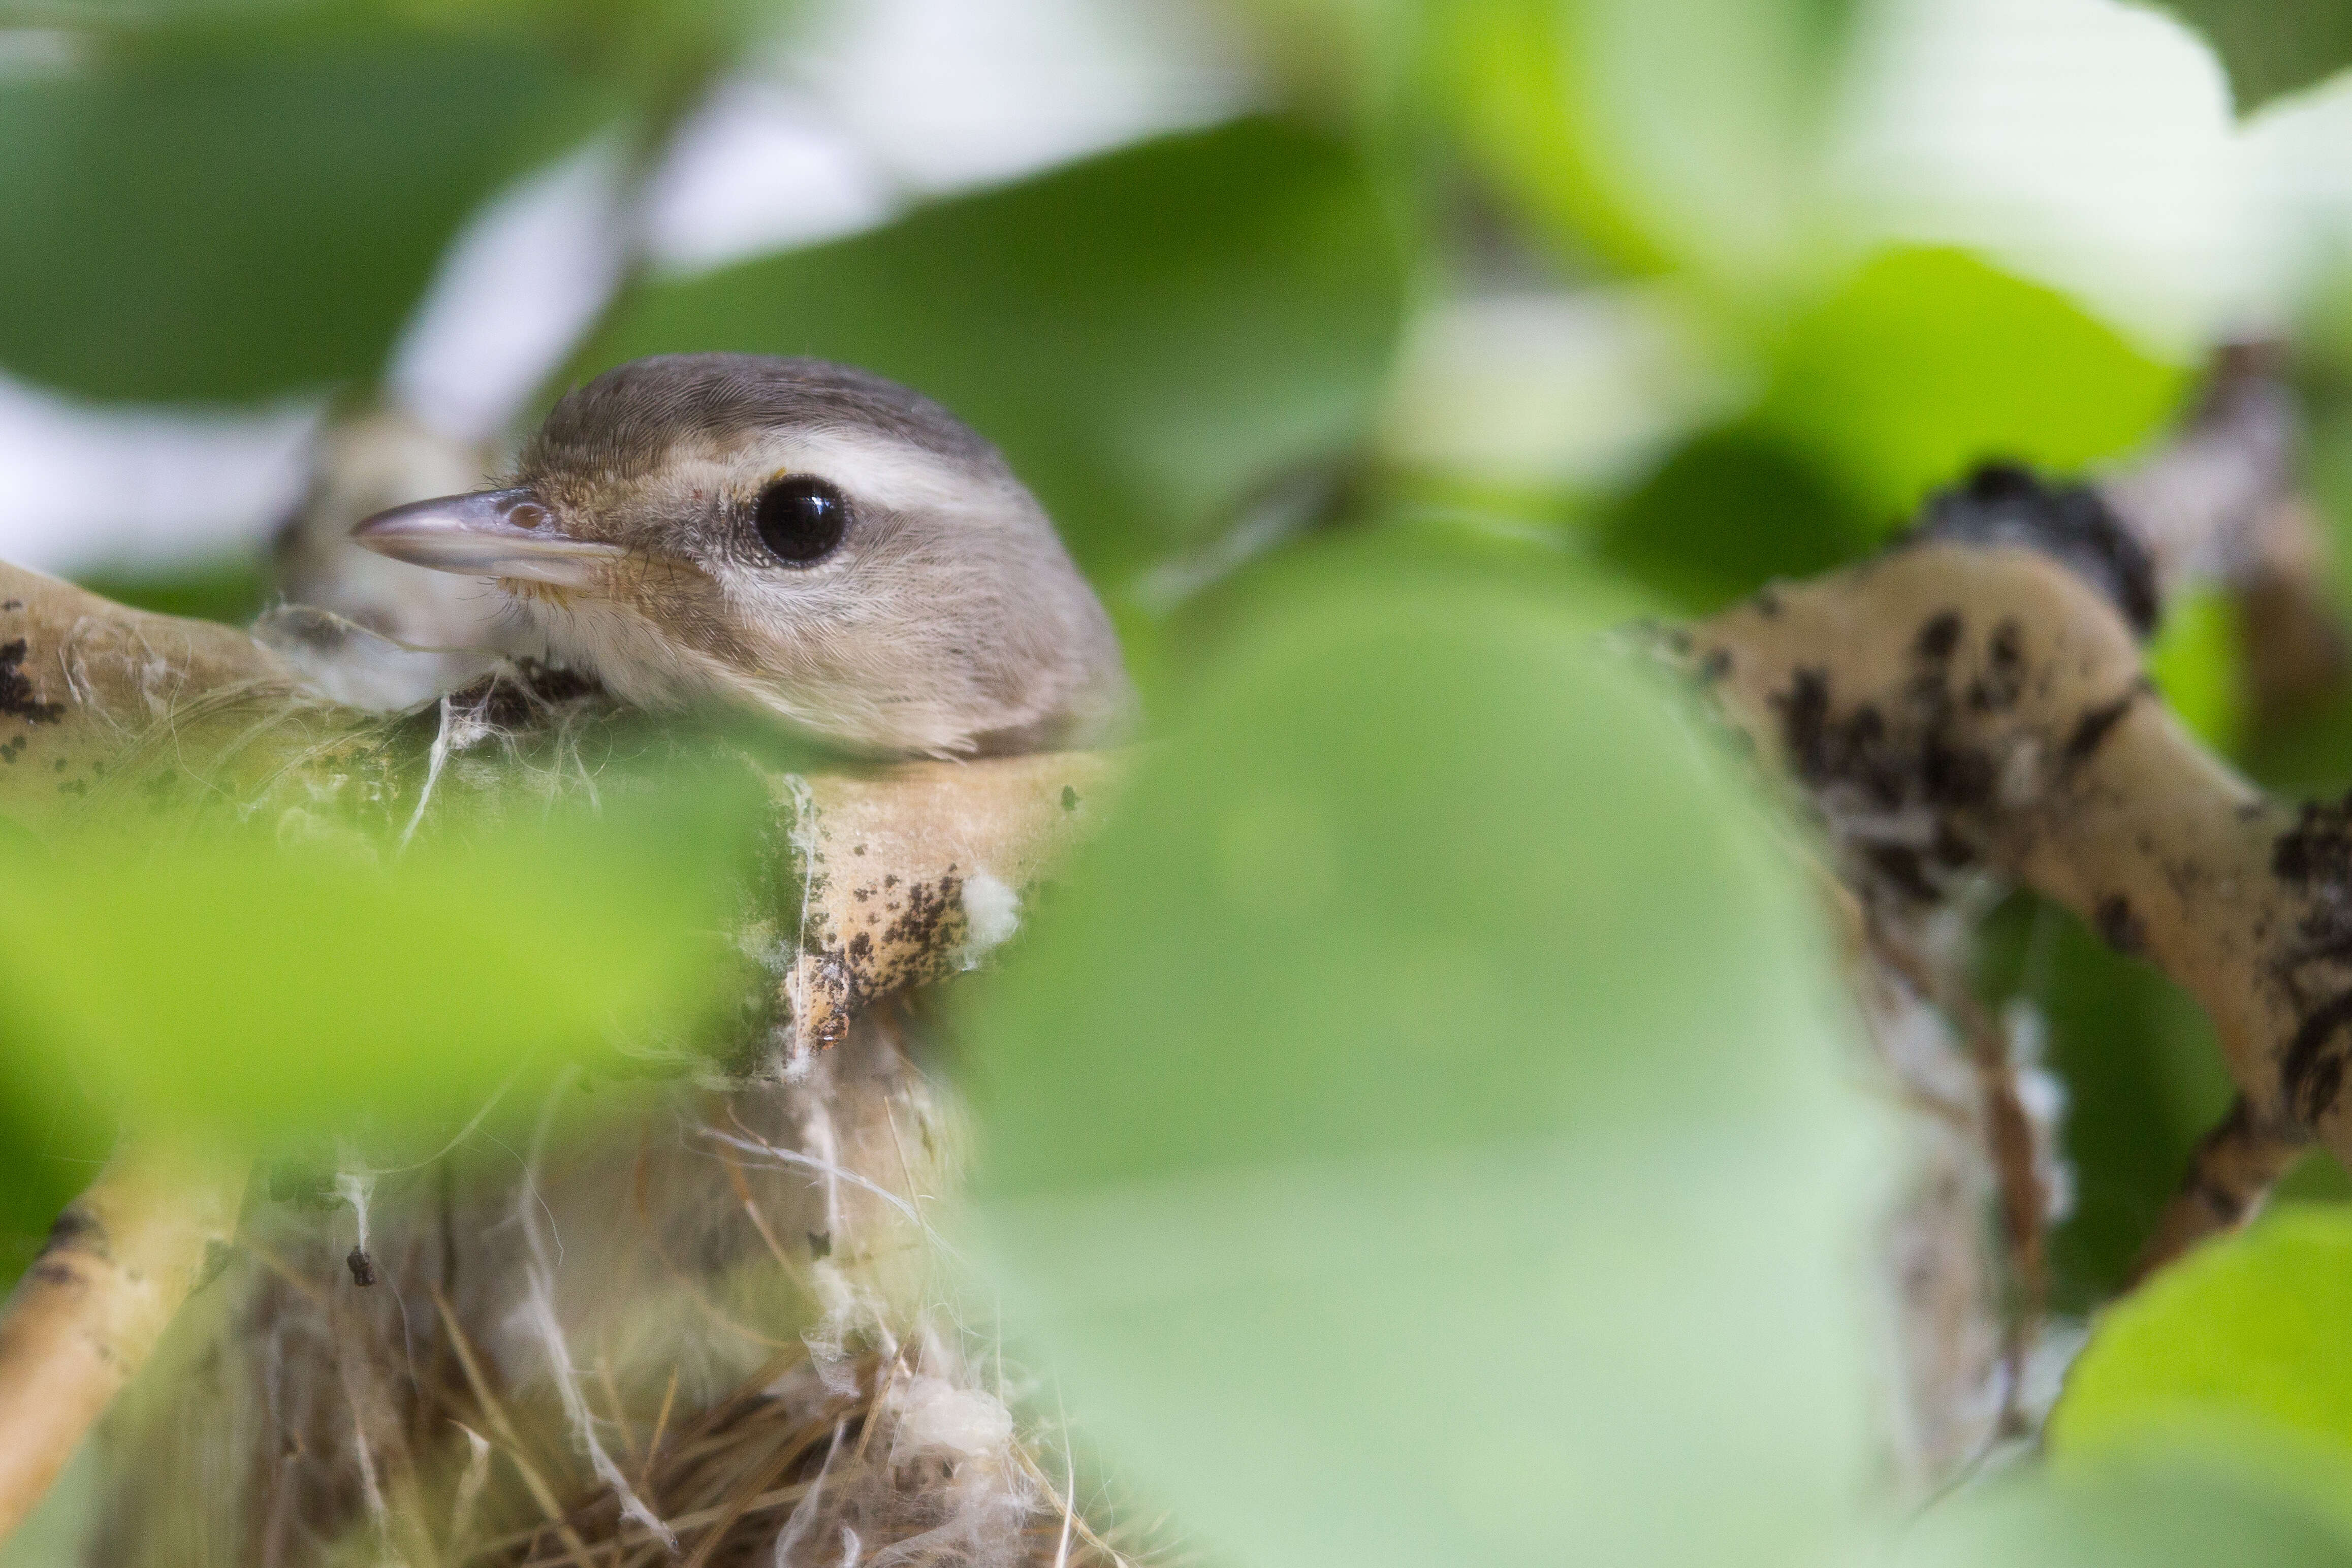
490, 533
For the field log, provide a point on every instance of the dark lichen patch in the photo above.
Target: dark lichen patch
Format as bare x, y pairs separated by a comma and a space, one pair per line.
1938, 636
2311, 1073
2119, 926
16, 694
12, 604
2002, 681
76, 1230
1069, 797
2091, 731
820, 1244
1918, 757
1955, 777
1804, 722
1715, 665
929, 906
2319, 848
12, 750
2008, 504
2313, 858
1767, 604
1909, 759
1904, 869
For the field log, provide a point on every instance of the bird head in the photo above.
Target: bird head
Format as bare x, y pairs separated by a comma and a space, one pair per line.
804, 538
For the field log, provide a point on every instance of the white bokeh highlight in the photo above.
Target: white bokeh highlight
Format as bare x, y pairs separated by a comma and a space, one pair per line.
83, 486
761, 167
522, 282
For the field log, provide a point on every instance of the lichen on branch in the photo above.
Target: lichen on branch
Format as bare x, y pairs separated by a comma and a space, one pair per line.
1975, 700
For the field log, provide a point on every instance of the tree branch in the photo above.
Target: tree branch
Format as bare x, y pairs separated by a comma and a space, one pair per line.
84, 1318
1954, 705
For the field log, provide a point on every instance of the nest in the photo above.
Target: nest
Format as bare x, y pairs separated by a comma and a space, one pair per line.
787, 1471
714, 1328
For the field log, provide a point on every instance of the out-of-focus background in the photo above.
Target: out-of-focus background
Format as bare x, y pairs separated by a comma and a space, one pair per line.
1665, 298
1688, 294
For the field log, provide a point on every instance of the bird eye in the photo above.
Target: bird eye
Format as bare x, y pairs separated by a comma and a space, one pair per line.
801, 519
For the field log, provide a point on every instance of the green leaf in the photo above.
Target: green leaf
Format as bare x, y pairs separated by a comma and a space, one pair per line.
1663, 133
2144, 1081
2271, 47
231, 589
1148, 336
227, 212
2194, 661
2168, 1516
2236, 1359
50, 1148
1728, 512
1928, 361
220, 983
1417, 1131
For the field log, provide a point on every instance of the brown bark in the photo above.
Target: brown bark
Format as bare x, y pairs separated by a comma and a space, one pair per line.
1953, 707
83, 1319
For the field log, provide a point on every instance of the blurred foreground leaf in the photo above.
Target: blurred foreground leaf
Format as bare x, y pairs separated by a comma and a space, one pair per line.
223, 212
1416, 1133
2118, 1517
224, 984
2236, 1359
1928, 361
1148, 335
2271, 47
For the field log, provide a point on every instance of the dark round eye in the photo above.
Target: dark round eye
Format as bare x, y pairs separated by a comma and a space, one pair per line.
800, 519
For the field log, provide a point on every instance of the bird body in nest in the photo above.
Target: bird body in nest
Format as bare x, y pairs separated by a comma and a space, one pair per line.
801, 537
715, 1316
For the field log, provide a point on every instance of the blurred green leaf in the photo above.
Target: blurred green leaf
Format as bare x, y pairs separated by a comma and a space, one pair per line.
2194, 661
1661, 133
219, 982
50, 1148
225, 213
1928, 361
1728, 512
2236, 1359
56, 1533
1148, 336
231, 589
1340, 61
2143, 1080
1435, 996
2159, 1516
2271, 47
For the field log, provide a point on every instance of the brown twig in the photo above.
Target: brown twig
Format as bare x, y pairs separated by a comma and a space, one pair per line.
1955, 705
85, 1317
